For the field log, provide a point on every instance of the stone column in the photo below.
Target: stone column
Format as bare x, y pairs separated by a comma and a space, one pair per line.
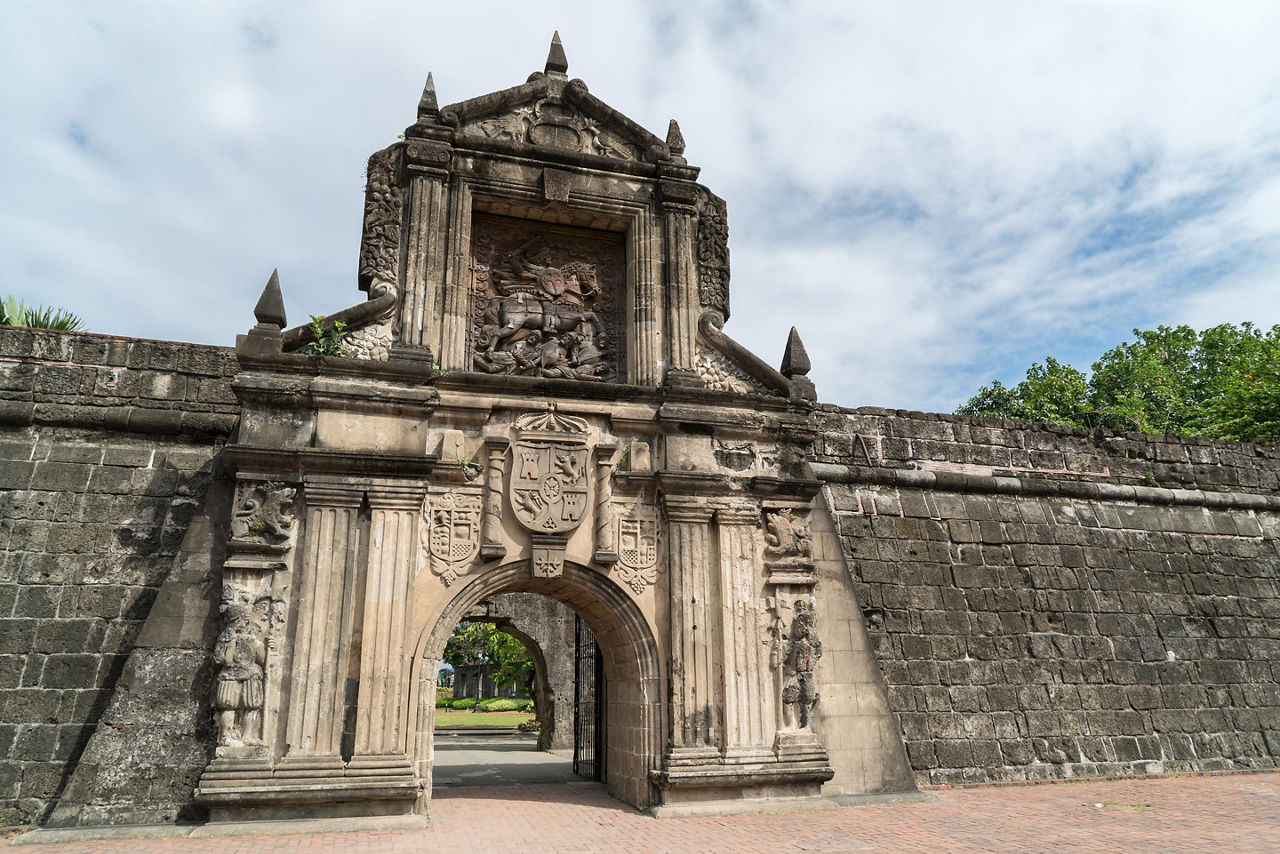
491, 534
322, 640
749, 702
696, 704
425, 261
457, 280
681, 286
645, 350
384, 639
606, 551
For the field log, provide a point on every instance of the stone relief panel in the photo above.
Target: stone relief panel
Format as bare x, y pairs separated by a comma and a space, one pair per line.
637, 539
558, 125
788, 541
251, 624
450, 533
796, 650
546, 301
263, 513
380, 243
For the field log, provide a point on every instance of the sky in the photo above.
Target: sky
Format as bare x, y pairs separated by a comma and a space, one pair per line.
934, 194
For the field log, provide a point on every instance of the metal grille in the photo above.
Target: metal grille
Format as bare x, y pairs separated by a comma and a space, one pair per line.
588, 688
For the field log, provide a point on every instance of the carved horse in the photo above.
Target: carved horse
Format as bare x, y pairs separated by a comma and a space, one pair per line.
520, 311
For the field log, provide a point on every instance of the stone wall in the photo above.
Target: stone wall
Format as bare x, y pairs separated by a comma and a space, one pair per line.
1053, 603
106, 450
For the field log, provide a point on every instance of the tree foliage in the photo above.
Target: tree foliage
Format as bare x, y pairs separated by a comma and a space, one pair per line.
1223, 382
14, 312
482, 643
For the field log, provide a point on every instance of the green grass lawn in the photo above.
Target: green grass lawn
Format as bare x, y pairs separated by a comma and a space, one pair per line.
467, 719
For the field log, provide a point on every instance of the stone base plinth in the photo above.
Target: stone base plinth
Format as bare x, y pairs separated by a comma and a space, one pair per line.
308, 787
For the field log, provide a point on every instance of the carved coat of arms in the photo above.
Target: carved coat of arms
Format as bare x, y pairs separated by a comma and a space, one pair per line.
549, 483
451, 534
638, 548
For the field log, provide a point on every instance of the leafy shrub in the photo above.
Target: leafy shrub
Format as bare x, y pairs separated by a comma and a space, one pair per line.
443, 702
499, 705
14, 312
326, 338
464, 703
531, 725
524, 705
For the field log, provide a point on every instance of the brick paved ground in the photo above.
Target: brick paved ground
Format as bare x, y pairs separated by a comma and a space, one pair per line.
1231, 813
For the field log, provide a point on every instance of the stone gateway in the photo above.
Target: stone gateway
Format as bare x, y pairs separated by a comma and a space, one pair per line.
790, 602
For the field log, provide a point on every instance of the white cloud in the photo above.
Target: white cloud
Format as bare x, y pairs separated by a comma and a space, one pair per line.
933, 193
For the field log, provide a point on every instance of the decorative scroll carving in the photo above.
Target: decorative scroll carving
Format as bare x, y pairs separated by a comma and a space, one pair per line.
450, 533
240, 653
713, 253
264, 513
638, 547
796, 653
380, 243
373, 340
720, 374
545, 302
557, 125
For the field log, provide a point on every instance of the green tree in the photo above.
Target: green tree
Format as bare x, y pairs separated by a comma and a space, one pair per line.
1222, 382
14, 312
482, 643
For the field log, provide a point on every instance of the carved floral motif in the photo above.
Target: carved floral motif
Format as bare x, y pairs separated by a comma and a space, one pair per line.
720, 374
545, 302
264, 513
450, 534
380, 243
713, 253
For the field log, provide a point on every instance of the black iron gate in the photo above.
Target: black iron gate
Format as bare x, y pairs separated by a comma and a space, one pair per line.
588, 705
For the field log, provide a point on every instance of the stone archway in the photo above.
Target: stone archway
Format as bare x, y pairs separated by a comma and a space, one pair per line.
631, 663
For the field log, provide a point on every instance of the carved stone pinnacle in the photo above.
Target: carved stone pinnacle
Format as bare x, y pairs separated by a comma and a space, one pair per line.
557, 62
795, 361
270, 308
427, 105
675, 139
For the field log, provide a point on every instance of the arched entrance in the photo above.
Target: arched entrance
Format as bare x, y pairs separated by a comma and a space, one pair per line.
628, 651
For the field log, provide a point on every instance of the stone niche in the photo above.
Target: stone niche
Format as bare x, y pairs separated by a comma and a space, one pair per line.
536, 397
546, 301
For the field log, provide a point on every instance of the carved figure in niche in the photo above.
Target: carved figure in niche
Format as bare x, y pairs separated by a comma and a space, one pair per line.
799, 688
241, 655
264, 513
540, 303
787, 538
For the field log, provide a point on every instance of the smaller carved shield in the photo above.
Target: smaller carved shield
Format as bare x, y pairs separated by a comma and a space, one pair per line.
638, 538
453, 530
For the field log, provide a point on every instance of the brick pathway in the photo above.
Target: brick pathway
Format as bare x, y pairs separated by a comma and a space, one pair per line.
1230, 813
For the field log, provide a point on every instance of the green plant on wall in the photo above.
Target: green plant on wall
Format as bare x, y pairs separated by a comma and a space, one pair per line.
326, 338
14, 312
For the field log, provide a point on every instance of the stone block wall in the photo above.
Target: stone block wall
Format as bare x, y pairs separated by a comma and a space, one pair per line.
1054, 603
106, 449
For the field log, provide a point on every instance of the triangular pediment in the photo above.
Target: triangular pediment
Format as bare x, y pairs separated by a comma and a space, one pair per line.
552, 113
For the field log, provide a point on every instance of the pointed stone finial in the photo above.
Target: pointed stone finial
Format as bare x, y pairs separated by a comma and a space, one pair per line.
795, 361
675, 139
557, 63
427, 105
269, 311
